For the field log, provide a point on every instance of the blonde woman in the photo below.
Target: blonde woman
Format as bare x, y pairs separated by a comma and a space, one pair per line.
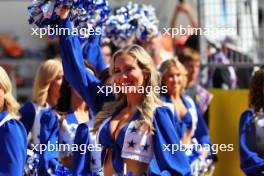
135, 128
75, 115
46, 92
193, 129
13, 142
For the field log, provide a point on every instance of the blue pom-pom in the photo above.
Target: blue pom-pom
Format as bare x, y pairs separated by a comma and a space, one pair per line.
32, 164
148, 23
62, 171
131, 22
83, 13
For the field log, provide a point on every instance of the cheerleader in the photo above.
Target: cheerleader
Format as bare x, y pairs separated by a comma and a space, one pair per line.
251, 129
89, 162
58, 126
193, 129
75, 130
134, 128
73, 112
13, 142
45, 94
50, 129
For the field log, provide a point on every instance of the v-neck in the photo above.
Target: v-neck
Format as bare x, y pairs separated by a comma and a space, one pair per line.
168, 98
123, 129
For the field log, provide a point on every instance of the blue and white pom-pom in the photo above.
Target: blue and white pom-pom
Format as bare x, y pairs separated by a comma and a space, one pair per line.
62, 171
42, 13
32, 163
147, 23
92, 13
131, 22
83, 13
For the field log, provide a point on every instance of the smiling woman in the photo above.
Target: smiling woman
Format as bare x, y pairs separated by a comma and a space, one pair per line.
132, 66
193, 129
45, 94
174, 75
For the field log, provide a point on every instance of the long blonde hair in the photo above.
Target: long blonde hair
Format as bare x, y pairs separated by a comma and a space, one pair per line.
148, 105
46, 73
174, 62
10, 103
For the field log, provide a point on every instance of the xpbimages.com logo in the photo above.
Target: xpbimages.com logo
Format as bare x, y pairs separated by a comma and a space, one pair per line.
189, 30
57, 31
82, 148
213, 148
124, 89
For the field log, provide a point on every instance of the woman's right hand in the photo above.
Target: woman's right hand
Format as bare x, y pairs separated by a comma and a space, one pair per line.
63, 12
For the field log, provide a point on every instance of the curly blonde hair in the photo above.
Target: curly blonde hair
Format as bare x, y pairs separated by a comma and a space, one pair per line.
10, 103
148, 105
46, 73
174, 62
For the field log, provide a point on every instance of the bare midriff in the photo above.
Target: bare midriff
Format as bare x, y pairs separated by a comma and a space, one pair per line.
136, 167
108, 166
116, 125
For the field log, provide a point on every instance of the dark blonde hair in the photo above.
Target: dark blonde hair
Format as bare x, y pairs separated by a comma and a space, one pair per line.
174, 62
45, 75
10, 103
148, 105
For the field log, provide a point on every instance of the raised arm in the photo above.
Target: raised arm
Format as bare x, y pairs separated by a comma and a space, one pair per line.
87, 85
185, 8
92, 52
